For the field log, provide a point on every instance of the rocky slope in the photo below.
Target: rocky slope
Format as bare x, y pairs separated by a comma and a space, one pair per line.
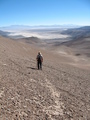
61, 91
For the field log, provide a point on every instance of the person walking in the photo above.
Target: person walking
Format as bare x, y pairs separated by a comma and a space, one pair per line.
39, 59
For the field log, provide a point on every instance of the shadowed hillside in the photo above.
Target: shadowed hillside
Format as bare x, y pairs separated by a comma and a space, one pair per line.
78, 32
78, 43
4, 34
31, 40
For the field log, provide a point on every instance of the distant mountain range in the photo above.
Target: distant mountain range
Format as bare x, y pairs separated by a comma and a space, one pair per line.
80, 40
3, 33
76, 33
12, 27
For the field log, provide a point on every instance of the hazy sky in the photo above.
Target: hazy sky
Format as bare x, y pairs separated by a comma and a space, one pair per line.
44, 12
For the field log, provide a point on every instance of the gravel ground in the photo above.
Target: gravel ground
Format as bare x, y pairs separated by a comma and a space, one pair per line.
60, 91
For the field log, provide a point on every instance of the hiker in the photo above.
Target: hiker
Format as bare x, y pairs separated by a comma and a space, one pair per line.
39, 59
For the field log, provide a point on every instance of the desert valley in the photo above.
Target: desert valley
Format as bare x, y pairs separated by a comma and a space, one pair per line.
61, 90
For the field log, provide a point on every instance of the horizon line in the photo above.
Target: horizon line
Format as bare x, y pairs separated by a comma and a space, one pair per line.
41, 25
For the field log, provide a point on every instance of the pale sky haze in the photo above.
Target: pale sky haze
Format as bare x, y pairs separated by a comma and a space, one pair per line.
44, 12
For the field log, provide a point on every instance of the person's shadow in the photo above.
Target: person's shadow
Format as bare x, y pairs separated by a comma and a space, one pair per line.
32, 68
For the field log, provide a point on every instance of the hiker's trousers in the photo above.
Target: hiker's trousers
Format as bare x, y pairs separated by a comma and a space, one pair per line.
39, 64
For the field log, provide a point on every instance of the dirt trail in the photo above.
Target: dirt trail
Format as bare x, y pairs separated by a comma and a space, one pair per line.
58, 92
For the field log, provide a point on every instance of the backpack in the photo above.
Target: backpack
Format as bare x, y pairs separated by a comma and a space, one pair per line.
39, 58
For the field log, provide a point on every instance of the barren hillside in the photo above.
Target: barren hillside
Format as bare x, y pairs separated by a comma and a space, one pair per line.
78, 42
61, 91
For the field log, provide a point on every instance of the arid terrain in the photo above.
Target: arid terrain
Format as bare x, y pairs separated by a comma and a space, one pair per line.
61, 91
